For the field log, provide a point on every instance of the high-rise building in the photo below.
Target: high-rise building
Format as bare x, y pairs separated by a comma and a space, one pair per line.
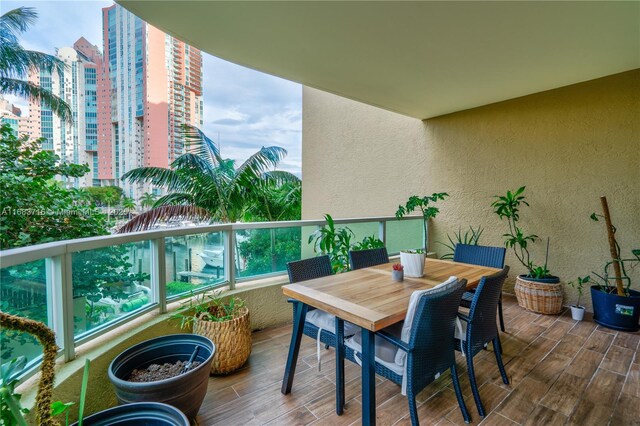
12, 115
78, 85
155, 87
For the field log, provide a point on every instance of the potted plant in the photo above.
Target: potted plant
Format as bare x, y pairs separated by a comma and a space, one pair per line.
224, 320
12, 413
171, 369
577, 310
413, 260
615, 305
397, 272
336, 243
537, 290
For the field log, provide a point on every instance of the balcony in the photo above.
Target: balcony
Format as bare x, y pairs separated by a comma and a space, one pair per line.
472, 98
559, 368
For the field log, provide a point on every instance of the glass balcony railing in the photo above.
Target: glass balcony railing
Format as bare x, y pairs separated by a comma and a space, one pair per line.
83, 288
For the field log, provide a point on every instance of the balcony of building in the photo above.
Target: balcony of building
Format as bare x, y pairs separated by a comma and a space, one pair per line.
411, 98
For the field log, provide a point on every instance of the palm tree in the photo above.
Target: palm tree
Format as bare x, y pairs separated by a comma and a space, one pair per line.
202, 185
128, 204
147, 200
16, 63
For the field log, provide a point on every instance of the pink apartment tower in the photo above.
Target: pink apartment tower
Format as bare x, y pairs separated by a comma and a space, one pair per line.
153, 86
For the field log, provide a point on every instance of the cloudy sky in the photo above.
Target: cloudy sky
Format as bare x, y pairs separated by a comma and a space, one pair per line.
244, 109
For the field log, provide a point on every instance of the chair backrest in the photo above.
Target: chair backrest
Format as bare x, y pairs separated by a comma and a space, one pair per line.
484, 306
364, 258
308, 269
492, 257
432, 335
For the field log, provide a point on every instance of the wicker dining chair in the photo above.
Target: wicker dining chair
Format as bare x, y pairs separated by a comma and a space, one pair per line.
427, 346
308, 269
364, 258
492, 257
479, 328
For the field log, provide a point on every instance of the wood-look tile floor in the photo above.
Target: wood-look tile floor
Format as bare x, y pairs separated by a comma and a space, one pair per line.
561, 372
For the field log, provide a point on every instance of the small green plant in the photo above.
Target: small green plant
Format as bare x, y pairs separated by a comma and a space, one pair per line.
428, 211
214, 307
336, 243
508, 207
11, 412
470, 237
414, 251
367, 243
578, 285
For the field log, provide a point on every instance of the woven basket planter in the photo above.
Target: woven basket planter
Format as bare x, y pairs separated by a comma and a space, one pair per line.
540, 297
232, 339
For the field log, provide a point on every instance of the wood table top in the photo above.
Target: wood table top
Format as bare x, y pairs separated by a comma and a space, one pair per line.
369, 297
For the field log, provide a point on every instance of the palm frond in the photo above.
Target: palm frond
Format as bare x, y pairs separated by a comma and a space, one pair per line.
18, 20
174, 198
32, 91
172, 180
259, 162
148, 219
15, 62
201, 145
191, 161
280, 177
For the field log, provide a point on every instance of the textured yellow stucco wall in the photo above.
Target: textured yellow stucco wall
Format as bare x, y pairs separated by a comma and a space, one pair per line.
569, 146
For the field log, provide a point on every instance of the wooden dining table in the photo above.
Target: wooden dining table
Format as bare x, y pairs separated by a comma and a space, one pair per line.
370, 299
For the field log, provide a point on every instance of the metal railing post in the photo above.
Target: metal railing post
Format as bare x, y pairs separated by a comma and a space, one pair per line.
159, 274
382, 231
230, 258
60, 303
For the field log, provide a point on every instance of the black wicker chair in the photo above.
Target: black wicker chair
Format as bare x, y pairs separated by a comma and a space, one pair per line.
430, 350
479, 328
492, 257
364, 258
308, 269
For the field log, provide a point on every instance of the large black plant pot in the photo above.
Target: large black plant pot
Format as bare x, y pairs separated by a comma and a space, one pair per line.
185, 392
616, 312
141, 413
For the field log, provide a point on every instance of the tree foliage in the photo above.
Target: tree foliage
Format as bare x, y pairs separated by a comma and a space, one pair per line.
105, 195
16, 63
202, 185
36, 208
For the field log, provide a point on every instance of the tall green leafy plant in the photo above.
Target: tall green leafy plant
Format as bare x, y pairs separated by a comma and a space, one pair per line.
424, 204
336, 243
508, 207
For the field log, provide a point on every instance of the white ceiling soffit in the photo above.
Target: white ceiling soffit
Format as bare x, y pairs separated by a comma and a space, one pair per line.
421, 59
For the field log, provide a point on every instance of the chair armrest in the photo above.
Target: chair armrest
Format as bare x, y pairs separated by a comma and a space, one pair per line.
463, 317
394, 340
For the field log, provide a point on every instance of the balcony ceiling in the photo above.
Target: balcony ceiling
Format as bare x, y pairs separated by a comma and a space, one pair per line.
421, 59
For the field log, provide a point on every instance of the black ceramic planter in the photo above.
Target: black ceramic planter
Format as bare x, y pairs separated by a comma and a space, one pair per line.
616, 312
141, 413
185, 392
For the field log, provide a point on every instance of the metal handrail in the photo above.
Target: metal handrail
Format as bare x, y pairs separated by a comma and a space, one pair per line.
58, 264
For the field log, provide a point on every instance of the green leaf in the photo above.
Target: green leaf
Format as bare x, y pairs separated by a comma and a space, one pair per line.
83, 391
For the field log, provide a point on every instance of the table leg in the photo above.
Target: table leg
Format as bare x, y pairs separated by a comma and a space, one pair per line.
339, 366
368, 378
294, 347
